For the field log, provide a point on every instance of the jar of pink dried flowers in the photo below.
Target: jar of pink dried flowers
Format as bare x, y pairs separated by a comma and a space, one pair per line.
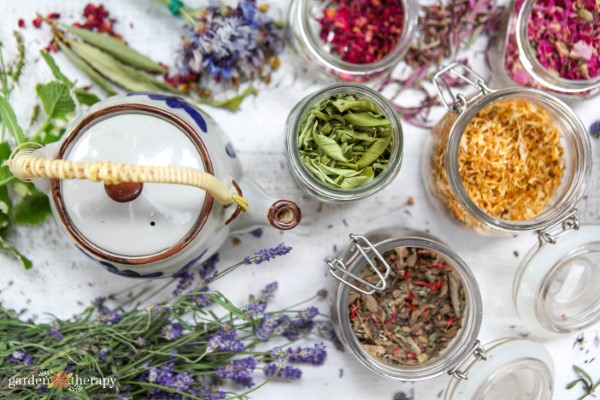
552, 45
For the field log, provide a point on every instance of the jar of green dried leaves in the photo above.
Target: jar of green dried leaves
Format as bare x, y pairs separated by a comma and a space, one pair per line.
344, 143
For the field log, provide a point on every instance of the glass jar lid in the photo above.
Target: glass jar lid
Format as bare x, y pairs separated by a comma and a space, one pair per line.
132, 223
508, 368
557, 287
569, 178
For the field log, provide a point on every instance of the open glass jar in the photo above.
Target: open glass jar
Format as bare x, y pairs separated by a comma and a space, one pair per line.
551, 48
504, 369
478, 372
335, 167
509, 160
304, 33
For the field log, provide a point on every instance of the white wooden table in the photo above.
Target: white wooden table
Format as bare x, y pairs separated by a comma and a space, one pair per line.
63, 282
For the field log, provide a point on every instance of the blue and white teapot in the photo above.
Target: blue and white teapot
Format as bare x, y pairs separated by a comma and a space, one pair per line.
107, 183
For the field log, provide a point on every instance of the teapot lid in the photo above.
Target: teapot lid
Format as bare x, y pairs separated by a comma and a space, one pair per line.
133, 223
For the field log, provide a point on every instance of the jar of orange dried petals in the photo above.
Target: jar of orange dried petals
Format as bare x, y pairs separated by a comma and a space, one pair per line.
515, 159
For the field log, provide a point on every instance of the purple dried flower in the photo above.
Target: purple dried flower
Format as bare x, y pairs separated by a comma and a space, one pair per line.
208, 269
286, 373
279, 355
98, 302
141, 342
185, 281
208, 394
309, 314
172, 331
53, 331
268, 254
20, 356
182, 381
225, 340
102, 354
253, 310
595, 130
109, 318
268, 292
239, 371
309, 355
266, 328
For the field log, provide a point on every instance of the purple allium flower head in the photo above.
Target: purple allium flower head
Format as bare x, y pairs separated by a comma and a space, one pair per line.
53, 331
102, 353
286, 373
309, 355
108, 318
172, 331
268, 254
185, 281
225, 340
240, 371
252, 310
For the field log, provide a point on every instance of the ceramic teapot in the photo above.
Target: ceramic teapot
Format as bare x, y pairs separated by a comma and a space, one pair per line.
147, 185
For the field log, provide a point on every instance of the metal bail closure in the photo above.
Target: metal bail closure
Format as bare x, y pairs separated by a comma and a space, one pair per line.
478, 352
551, 233
458, 102
338, 269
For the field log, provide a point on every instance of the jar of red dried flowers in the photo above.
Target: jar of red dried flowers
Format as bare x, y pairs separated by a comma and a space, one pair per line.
552, 45
352, 40
408, 308
504, 161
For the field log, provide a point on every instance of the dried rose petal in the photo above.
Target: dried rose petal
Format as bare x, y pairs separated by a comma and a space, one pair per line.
37, 22
581, 51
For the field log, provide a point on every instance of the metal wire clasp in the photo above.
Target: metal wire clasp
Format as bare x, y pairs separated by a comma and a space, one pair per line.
459, 101
551, 233
339, 271
478, 352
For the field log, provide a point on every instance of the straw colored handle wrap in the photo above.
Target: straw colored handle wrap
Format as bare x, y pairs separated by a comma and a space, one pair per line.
25, 166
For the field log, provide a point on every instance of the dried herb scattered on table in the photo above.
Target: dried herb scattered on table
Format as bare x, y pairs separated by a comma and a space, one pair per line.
345, 141
362, 31
565, 36
418, 314
511, 161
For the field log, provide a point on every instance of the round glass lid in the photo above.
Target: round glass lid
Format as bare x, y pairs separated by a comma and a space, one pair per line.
511, 368
557, 288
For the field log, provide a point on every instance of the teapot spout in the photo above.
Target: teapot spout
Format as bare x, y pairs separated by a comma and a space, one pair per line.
264, 209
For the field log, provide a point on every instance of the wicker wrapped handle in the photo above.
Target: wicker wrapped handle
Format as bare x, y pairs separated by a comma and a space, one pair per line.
25, 165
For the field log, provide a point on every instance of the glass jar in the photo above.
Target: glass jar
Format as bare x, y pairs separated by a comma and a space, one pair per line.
508, 368
303, 34
516, 59
307, 180
441, 160
477, 371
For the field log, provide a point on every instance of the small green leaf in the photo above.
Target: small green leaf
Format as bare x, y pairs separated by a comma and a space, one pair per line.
5, 209
9, 120
585, 377
330, 147
55, 70
117, 48
32, 209
366, 120
85, 97
226, 304
373, 153
56, 99
5, 174
231, 104
571, 385
7, 248
87, 69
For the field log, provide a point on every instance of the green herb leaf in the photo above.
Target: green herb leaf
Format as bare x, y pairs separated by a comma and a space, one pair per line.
9, 120
85, 97
232, 104
585, 377
366, 120
330, 147
55, 70
87, 69
32, 209
117, 48
571, 385
5, 174
373, 153
56, 99
7, 248
5, 209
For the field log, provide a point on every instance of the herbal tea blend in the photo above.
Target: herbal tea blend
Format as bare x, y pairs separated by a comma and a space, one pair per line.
416, 316
511, 161
345, 141
362, 31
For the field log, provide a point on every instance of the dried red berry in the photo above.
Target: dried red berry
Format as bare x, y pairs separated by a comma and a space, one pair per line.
21, 23
37, 22
54, 15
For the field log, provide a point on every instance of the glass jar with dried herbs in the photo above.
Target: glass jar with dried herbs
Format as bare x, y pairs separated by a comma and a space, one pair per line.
344, 143
356, 41
515, 159
552, 45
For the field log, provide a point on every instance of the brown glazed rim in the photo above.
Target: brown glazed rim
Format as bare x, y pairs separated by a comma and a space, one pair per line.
94, 118
284, 215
